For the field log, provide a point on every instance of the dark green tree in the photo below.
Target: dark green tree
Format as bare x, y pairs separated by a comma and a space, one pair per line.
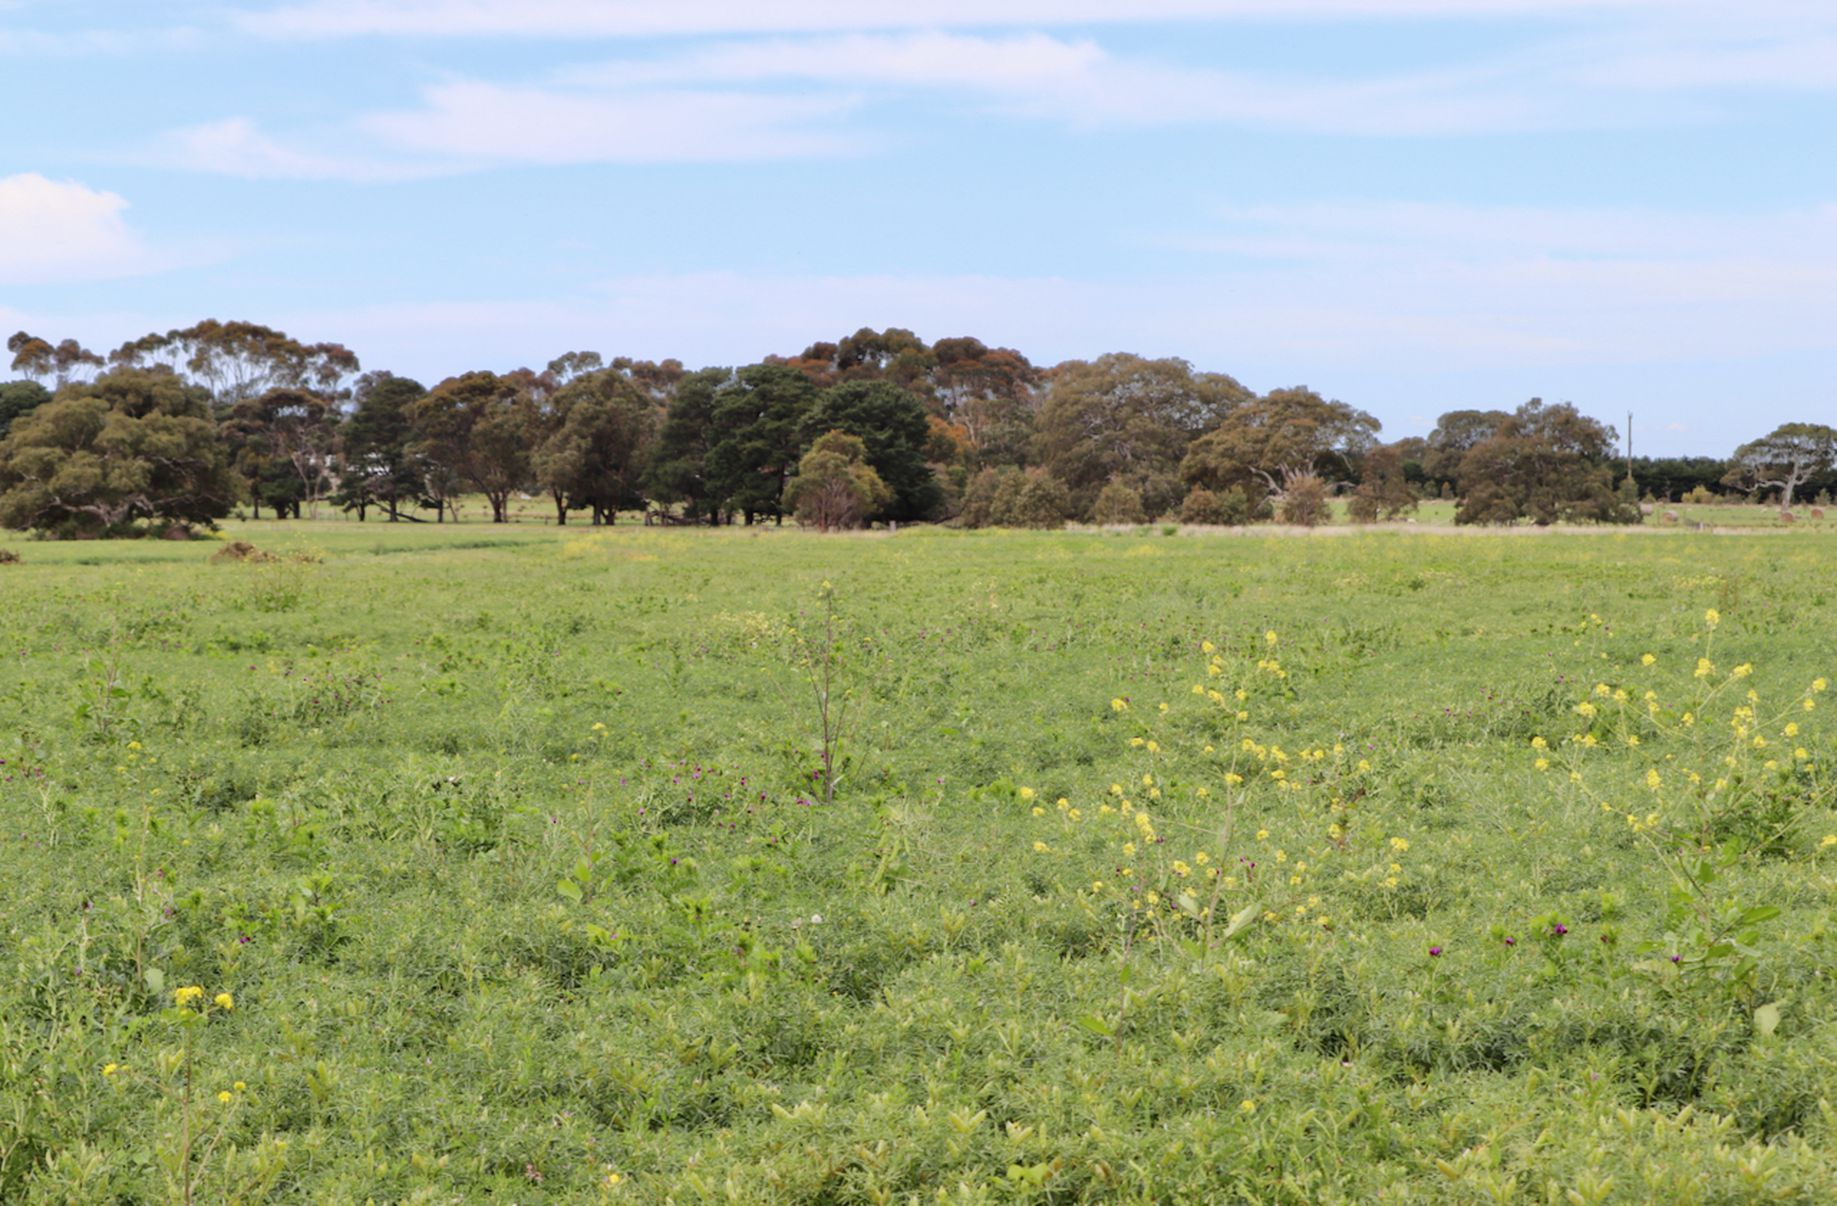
758, 425
378, 468
895, 429
677, 473
18, 398
595, 458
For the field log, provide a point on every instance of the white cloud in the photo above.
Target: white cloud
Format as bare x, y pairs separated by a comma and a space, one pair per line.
234, 146
493, 123
84, 43
1807, 63
1040, 77
57, 232
809, 95
641, 18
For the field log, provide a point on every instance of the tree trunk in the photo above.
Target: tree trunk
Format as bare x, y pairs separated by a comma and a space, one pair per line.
561, 508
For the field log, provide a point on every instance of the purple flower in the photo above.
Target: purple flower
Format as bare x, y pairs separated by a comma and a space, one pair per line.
1559, 929
1435, 952
1510, 941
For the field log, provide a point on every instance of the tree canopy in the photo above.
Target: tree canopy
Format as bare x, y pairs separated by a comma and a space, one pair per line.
835, 486
1265, 444
960, 429
99, 457
1125, 418
1548, 464
1784, 459
892, 427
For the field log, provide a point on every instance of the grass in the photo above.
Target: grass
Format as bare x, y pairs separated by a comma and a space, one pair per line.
537, 511
507, 846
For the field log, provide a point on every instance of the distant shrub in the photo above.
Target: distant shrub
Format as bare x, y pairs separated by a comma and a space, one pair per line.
1034, 499
1304, 502
1229, 508
977, 508
1201, 506
1118, 503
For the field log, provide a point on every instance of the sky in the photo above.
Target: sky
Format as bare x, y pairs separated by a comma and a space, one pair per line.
1413, 206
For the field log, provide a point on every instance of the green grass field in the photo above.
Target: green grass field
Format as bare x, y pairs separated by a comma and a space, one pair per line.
1191, 868
475, 510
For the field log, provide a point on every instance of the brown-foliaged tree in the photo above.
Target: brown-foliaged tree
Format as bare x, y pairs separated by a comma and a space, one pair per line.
1265, 445
1125, 418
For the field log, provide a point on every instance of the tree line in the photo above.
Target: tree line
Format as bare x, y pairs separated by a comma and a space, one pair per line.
186, 427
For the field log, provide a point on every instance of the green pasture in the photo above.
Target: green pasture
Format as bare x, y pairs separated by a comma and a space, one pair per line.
1431, 513
1159, 868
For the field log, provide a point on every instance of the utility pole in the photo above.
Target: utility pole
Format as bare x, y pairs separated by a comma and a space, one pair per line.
1629, 445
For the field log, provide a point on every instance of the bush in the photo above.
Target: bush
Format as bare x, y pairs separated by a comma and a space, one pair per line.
977, 509
1034, 499
1230, 508
1118, 503
1201, 506
1304, 502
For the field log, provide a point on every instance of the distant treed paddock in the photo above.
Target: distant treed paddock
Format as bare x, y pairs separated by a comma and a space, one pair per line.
191, 426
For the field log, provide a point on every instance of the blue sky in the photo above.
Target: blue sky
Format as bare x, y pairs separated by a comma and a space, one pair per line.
1411, 205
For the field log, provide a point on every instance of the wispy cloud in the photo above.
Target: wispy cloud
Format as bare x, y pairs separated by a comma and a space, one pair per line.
18, 40
491, 123
236, 146
1578, 285
641, 18
1043, 78
62, 232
